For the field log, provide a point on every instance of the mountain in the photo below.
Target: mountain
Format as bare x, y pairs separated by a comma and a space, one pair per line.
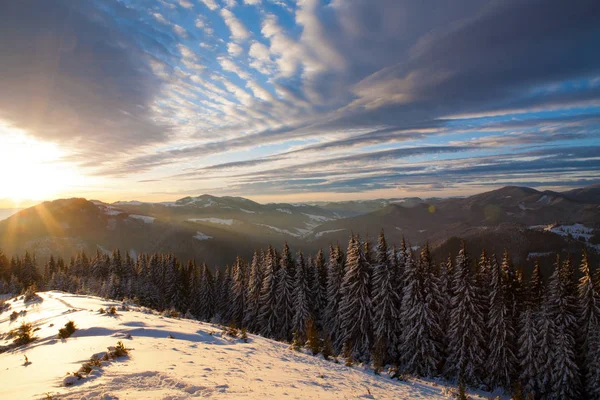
215, 229
173, 358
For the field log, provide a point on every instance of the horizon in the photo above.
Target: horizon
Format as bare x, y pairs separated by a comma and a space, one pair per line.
7, 204
283, 101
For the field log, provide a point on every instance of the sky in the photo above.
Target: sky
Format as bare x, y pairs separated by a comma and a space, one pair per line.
283, 100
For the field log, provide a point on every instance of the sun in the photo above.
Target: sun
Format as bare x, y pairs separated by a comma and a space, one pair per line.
31, 169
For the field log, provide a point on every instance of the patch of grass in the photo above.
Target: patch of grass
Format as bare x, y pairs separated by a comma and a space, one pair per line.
171, 313
119, 351
67, 331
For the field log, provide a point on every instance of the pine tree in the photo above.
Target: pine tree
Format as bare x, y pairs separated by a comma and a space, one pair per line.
253, 294
238, 293
284, 289
268, 296
561, 308
421, 335
335, 277
386, 310
355, 305
536, 288
527, 354
500, 364
301, 295
589, 321
466, 346
592, 377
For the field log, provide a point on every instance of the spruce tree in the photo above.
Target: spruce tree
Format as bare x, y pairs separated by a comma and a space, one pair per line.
420, 341
284, 289
355, 305
561, 308
268, 296
253, 292
386, 311
335, 277
500, 364
301, 296
527, 354
465, 341
589, 321
238, 293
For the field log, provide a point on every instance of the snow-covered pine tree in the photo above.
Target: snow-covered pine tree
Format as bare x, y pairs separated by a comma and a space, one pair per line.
321, 267
421, 335
465, 341
268, 296
501, 360
512, 289
562, 309
223, 309
536, 288
206, 295
355, 306
545, 342
335, 277
386, 313
589, 321
238, 292
445, 278
300, 300
253, 292
592, 377
527, 354
284, 289
483, 283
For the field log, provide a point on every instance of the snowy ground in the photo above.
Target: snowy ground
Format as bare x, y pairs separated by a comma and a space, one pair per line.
198, 361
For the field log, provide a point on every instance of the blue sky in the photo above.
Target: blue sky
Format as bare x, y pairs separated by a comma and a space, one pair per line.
298, 100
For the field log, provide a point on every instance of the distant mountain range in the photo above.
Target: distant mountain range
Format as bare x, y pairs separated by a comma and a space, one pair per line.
212, 229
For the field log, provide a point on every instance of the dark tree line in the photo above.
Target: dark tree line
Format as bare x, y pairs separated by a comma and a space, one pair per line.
477, 322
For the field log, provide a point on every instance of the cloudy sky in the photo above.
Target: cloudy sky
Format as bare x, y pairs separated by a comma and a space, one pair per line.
297, 100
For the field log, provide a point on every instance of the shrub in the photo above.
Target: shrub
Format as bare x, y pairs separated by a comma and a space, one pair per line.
112, 310
23, 334
30, 294
67, 331
232, 330
244, 335
313, 343
102, 310
119, 350
4, 306
171, 313
14, 316
327, 348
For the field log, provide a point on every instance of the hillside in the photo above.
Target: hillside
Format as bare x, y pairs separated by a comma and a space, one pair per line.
215, 229
173, 358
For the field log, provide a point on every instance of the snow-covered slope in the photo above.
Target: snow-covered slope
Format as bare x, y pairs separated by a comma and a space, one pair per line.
172, 359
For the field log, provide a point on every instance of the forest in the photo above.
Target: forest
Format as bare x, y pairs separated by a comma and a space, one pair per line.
476, 321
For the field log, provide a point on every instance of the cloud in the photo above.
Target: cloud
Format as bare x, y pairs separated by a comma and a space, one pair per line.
237, 29
234, 49
211, 4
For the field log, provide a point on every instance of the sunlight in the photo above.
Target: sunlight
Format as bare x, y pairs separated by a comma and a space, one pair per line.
31, 169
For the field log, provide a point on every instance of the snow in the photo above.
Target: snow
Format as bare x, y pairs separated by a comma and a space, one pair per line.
198, 361
544, 199
247, 211
213, 220
284, 210
145, 218
319, 234
318, 218
129, 203
202, 236
111, 212
576, 230
279, 230
534, 255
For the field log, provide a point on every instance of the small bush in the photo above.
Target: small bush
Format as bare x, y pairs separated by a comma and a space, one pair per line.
171, 313
4, 306
23, 334
112, 310
327, 348
296, 341
95, 361
244, 335
30, 294
120, 350
13, 316
232, 330
313, 342
102, 310
67, 331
